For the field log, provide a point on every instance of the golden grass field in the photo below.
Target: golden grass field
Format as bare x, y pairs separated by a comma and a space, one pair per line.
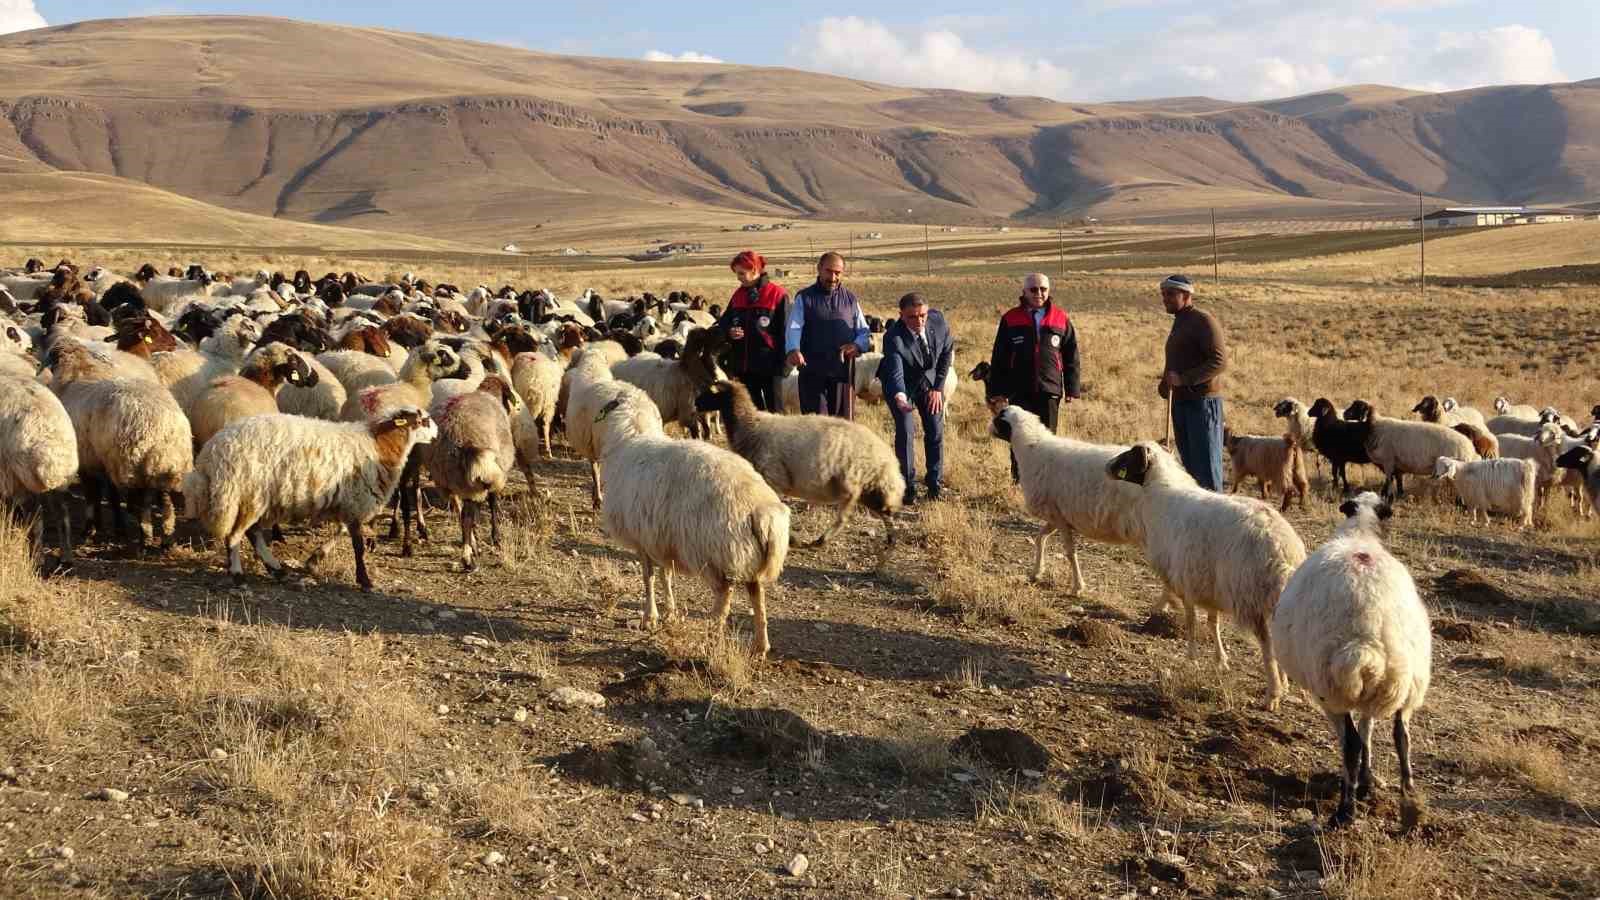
302, 740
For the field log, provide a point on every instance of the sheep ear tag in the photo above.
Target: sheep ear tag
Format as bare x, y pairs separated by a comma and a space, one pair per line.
607, 410
402, 422
1122, 472
149, 340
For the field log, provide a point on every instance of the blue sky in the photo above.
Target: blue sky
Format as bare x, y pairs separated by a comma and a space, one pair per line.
1088, 50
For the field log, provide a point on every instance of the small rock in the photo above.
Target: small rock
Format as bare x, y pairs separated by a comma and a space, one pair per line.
443, 709
736, 790
1163, 835
1032, 773
797, 867
111, 795
10, 773
571, 697
1302, 815
493, 858
683, 799
964, 777
521, 715
63, 852
472, 640
1172, 859
444, 615
218, 754
639, 817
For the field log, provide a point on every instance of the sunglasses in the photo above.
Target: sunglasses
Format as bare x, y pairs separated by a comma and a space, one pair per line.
1037, 290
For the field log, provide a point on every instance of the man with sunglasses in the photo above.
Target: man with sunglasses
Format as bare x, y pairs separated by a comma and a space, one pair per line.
1034, 364
826, 332
1196, 358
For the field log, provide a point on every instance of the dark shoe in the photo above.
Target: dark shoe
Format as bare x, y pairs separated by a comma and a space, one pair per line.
910, 499
933, 494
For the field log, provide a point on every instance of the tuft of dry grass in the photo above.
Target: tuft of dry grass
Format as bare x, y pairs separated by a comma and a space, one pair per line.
918, 751
1362, 864
1007, 804
719, 661
1537, 765
48, 706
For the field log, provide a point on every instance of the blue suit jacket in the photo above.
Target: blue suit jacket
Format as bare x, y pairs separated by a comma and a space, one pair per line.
907, 368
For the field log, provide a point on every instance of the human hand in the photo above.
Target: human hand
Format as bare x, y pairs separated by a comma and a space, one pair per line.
849, 351
1171, 379
902, 403
998, 403
736, 333
935, 402
796, 359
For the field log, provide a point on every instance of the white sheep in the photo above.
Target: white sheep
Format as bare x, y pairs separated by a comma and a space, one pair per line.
1064, 485
589, 386
537, 380
187, 373
278, 468
1507, 486
38, 454
324, 401
686, 504
253, 392
1401, 448
674, 383
1504, 407
1352, 631
1218, 552
819, 459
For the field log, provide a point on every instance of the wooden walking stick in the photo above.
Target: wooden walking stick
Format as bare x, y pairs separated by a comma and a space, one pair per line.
1166, 442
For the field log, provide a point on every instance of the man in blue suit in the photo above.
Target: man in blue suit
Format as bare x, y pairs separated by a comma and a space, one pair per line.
917, 351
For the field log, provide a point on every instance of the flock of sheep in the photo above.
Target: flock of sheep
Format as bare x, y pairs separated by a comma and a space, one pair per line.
274, 400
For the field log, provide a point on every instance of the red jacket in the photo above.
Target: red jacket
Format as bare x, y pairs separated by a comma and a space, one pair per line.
763, 313
1027, 361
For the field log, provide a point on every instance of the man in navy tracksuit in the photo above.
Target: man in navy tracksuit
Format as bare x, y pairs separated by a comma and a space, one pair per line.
826, 332
754, 325
1035, 360
917, 352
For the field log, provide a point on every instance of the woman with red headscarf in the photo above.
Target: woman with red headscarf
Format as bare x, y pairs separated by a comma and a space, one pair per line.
754, 324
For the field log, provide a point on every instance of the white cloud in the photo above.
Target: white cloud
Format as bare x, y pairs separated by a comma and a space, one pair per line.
688, 56
931, 57
1514, 54
19, 15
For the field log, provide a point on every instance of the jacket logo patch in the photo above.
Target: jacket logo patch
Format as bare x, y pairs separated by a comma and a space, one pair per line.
1019, 339
1055, 340
764, 321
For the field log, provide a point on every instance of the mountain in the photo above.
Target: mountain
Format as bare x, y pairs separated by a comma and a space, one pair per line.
384, 130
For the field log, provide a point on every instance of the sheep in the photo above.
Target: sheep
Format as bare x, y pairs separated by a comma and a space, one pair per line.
1273, 461
164, 292
131, 433
1338, 441
819, 459
38, 455
673, 384
1505, 486
188, 373
279, 468
1551, 414
537, 380
686, 504
1448, 413
474, 454
589, 385
1585, 463
1504, 407
1351, 630
1483, 441
1505, 424
1400, 448
253, 392
1551, 444
413, 386
1218, 552
1065, 486
324, 401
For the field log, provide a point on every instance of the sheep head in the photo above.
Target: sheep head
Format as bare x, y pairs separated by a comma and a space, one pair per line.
1132, 465
497, 387
1366, 507
1322, 407
1445, 468
1428, 408
1578, 458
1288, 407
396, 431
1360, 411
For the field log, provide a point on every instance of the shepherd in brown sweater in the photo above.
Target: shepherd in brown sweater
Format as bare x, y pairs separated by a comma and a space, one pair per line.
1197, 355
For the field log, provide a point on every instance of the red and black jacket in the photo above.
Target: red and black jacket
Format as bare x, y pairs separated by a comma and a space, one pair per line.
762, 310
1030, 361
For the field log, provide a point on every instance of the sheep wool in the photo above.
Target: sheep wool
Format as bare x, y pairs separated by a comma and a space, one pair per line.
1505, 486
1351, 630
38, 452
1064, 485
473, 454
1275, 462
1217, 552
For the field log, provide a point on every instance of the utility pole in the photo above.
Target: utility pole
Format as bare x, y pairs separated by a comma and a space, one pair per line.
1061, 246
1422, 246
927, 252
1216, 271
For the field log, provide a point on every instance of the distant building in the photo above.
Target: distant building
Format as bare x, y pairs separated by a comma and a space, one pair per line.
1485, 216
511, 248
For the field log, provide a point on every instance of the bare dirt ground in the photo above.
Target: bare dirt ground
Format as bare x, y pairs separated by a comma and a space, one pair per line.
305, 740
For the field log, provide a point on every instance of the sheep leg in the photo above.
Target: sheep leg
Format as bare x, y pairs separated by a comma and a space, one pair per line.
723, 589
1364, 779
1350, 753
358, 546
838, 523
1269, 669
1402, 750
1216, 639
394, 516
419, 502
169, 520
672, 599
888, 530
594, 484
138, 499
235, 563
1190, 626
651, 615
494, 520
544, 433
1072, 558
275, 568
1045, 530
408, 508
758, 625
469, 534
58, 499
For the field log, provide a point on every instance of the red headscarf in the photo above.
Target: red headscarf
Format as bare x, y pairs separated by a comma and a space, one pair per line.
749, 259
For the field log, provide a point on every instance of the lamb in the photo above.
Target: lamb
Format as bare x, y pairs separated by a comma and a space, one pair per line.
673, 384
1064, 485
38, 455
1218, 552
474, 454
819, 459
253, 392
1338, 441
589, 385
1505, 486
1273, 461
1400, 448
689, 505
1551, 444
131, 433
1351, 630
278, 468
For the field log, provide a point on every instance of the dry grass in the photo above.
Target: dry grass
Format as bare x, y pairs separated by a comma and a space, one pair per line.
1363, 865
1537, 765
352, 845
1035, 809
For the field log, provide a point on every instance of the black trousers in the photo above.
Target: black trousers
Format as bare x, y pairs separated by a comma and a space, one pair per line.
1046, 407
764, 392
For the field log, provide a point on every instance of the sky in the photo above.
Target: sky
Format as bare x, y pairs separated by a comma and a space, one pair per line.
1084, 50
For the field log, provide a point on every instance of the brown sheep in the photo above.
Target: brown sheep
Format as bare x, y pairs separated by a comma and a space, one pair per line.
1275, 462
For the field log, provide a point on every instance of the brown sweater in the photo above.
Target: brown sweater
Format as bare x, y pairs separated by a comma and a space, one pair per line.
1197, 352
